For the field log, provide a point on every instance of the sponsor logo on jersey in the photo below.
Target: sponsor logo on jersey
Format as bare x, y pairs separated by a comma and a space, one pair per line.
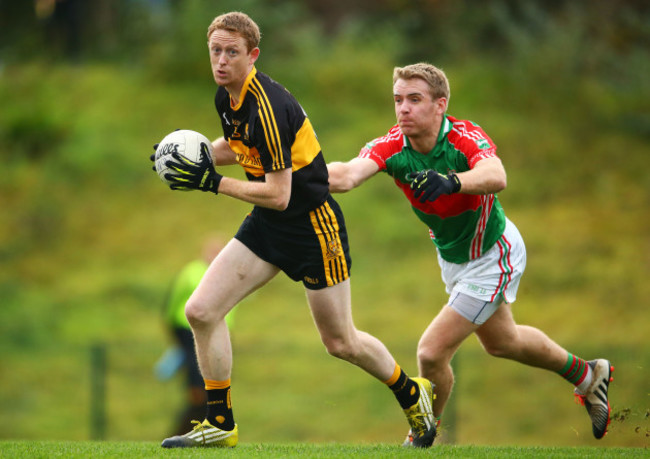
246, 160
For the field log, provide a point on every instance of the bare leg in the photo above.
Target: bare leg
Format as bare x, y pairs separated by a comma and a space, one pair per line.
331, 310
502, 337
436, 348
234, 274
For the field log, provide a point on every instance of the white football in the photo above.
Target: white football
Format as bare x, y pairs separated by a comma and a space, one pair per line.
184, 142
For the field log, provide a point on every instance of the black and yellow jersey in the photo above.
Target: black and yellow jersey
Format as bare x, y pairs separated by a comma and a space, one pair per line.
269, 131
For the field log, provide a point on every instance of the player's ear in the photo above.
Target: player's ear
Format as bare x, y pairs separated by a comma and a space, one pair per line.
442, 104
254, 54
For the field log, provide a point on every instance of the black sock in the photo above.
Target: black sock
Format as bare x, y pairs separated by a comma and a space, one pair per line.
406, 390
219, 409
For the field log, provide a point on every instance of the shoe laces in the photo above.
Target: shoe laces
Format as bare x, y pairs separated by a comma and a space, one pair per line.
418, 423
199, 427
579, 399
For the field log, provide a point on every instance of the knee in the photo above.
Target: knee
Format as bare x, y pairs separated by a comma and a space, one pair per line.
199, 313
430, 357
340, 348
497, 349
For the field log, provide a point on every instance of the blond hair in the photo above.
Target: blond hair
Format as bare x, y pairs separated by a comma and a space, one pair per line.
432, 75
239, 23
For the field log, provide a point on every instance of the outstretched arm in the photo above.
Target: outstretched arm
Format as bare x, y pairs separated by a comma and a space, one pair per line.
346, 176
487, 177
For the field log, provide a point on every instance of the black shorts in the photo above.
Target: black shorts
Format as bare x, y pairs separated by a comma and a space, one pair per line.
312, 248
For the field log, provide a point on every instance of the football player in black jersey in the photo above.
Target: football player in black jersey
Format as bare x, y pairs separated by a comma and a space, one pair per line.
295, 226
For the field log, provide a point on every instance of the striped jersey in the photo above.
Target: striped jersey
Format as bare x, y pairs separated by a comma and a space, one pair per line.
462, 226
269, 131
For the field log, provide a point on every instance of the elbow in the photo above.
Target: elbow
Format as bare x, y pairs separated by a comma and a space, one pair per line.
343, 184
282, 206
280, 203
501, 184
339, 178
340, 187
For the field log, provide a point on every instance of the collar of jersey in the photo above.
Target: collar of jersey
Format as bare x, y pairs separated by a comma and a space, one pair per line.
244, 89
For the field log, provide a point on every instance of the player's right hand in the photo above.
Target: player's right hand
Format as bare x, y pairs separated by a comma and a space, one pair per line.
193, 175
428, 184
153, 156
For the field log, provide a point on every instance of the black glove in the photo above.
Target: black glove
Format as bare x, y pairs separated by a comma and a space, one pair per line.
192, 175
153, 156
428, 185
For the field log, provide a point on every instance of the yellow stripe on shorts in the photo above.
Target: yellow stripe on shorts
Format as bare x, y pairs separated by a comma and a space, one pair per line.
326, 228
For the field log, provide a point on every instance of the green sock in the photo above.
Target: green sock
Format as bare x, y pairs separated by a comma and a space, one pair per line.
576, 370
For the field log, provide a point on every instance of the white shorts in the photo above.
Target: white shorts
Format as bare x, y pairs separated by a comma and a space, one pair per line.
493, 276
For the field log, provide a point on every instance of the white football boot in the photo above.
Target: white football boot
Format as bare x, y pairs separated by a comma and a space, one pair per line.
203, 434
595, 399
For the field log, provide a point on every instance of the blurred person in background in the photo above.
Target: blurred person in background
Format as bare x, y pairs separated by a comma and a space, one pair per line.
449, 171
295, 227
183, 353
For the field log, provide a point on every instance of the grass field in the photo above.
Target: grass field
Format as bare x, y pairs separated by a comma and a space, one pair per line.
67, 449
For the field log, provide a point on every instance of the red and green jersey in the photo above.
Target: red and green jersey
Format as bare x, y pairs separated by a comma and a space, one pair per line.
463, 226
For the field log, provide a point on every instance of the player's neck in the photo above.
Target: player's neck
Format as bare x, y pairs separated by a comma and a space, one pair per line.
424, 143
235, 89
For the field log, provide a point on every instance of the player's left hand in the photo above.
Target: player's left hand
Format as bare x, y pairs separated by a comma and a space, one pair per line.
192, 175
428, 185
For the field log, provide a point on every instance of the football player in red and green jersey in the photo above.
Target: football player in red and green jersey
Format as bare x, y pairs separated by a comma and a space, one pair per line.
449, 171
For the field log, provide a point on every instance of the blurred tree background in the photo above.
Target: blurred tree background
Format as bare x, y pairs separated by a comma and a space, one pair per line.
90, 238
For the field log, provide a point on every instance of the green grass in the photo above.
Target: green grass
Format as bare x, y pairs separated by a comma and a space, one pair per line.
70, 450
